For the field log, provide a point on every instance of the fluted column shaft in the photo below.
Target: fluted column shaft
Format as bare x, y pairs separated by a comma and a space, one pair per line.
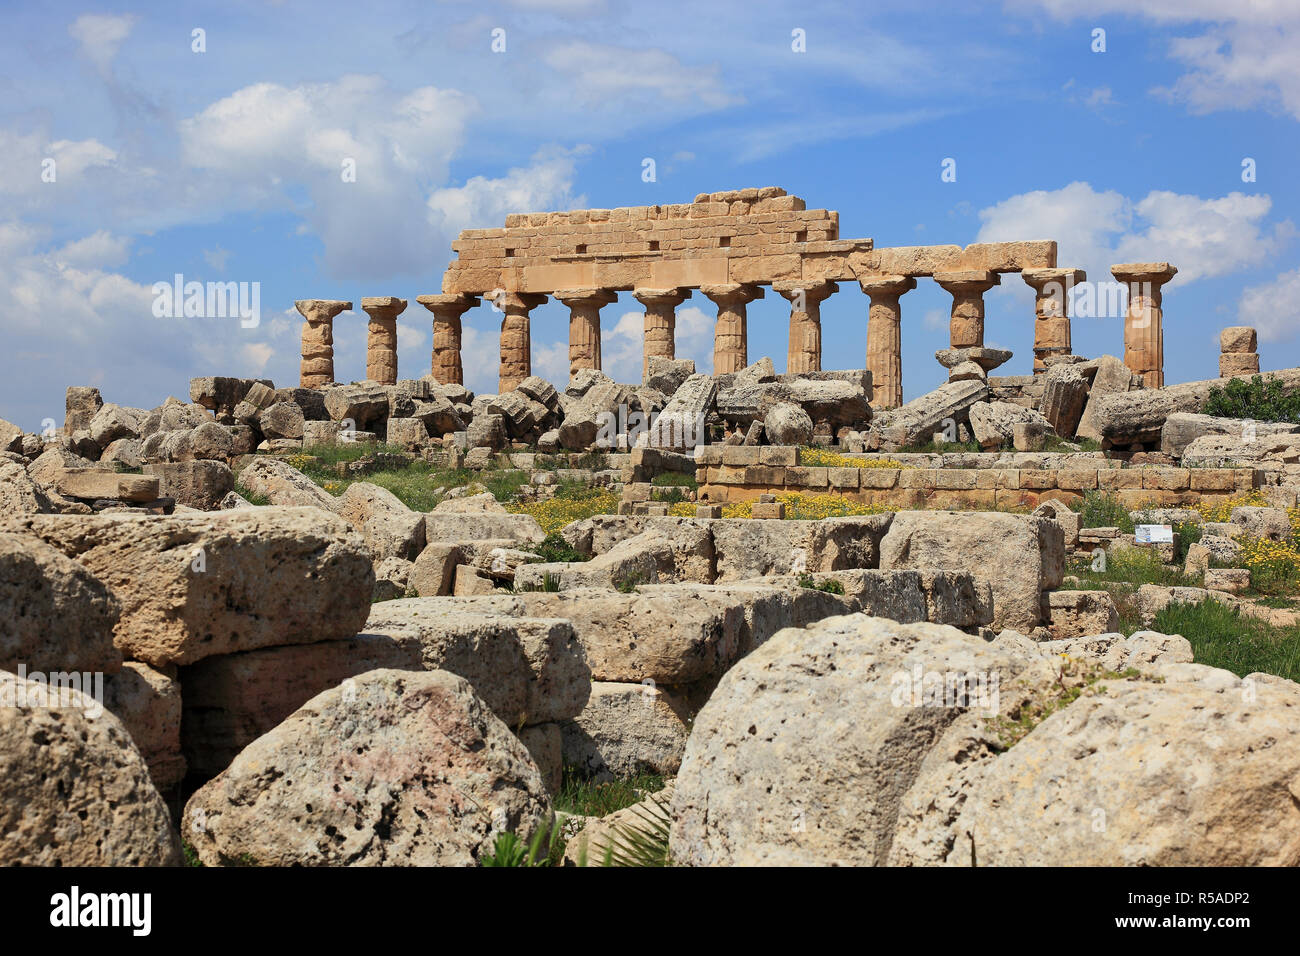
1144, 340
966, 326
447, 311
516, 337
884, 337
804, 348
660, 323
731, 334
1051, 310
381, 337
316, 369
584, 325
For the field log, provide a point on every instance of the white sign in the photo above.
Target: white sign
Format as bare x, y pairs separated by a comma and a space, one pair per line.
1154, 534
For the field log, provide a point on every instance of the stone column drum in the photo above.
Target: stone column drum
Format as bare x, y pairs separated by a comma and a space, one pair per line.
516, 337
966, 327
447, 310
884, 337
1144, 339
731, 334
381, 337
584, 325
1238, 353
660, 323
804, 350
317, 367
1051, 310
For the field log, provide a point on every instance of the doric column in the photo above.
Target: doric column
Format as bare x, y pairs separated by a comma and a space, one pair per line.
1051, 310
381, 337
804, 351
447, 310
731, 334
516, 338
1144, 339
584, 325
884, 337
317, 367
660, 323
966, 328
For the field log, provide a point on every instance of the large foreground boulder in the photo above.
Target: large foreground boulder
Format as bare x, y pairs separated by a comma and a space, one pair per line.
74, 790
393, 768
54, 614
194, 585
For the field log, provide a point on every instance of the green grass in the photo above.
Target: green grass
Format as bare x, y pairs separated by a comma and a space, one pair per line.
1102, 509
252, 497
581, 795
1222, 637
675, 479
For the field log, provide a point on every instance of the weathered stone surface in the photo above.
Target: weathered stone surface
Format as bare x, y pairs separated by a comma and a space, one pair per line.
920, 418
232, 699
1243, 450
220, 393
1112, 376
363, 404
1182, 428
1063, 515
529, 670
668, 374
281, 420
194, 585
196, 484
787, 424
1184, 774
148, 702
390, 529
347, 780
667, 633
94, 483
681, 423
1080, 613
112, 422
1063, 398
1028, 554
655, 556
74, 790
18, 493
755, 548
282, 484
82, 402
473, 526
1238, 363
54, 614
583, 420
434, 571
993, 423
808, 746
627, 729
957, 598
1271, 523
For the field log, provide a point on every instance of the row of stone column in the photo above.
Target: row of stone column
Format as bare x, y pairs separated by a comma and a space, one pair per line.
1143, 338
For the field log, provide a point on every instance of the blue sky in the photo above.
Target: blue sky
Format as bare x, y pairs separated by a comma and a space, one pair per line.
224, 165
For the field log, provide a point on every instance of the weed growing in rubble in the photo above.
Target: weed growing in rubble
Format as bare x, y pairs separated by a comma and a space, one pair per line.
1102, 509
829, 585
1256, 400
1221, 636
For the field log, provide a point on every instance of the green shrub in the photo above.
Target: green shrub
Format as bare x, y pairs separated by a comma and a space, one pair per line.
1257, 399
829, 585
554, 548
546, 848
1102, 509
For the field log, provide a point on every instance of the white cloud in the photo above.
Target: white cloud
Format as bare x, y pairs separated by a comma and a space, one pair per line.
484, 202
618, 78
100, 36
1273, 309
1095, 230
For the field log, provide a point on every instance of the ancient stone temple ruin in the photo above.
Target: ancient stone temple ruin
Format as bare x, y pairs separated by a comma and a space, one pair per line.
729, 246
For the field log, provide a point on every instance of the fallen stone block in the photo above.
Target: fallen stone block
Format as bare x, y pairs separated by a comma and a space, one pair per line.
148, 702
627, 729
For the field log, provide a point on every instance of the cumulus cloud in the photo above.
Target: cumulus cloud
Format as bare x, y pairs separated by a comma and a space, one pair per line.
484, 202
1274, 308
100, 36
604, 76
1096, 229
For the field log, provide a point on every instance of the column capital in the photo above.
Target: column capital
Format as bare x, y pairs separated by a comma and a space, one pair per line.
732, 293
661, 297
886, 284
321, 310
1038, 279
451, 305
383, 306
596, 297
814, 290
517, 301
1156, 273
967, 281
